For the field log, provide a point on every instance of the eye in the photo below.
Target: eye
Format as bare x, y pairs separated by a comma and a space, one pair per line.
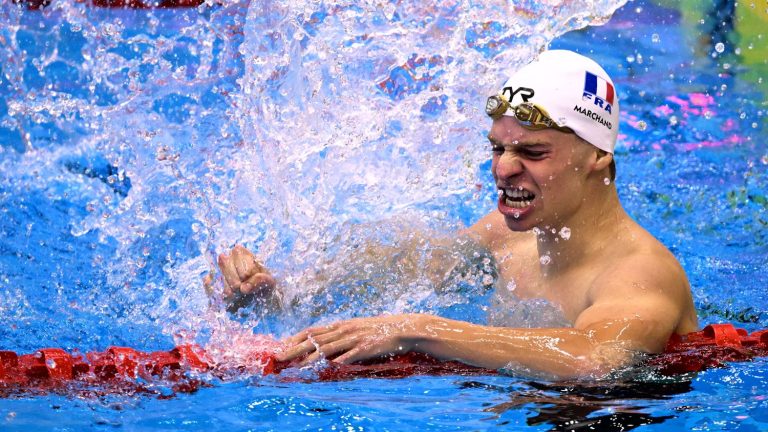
534, 154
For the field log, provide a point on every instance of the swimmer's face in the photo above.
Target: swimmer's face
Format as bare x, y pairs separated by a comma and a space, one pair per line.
541, 175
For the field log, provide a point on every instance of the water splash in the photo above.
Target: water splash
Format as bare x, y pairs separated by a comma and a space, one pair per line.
154, 139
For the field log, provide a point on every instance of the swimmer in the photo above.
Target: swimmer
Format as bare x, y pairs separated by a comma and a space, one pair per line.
559, 233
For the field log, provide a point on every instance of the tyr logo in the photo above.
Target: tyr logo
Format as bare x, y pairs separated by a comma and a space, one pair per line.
525, 93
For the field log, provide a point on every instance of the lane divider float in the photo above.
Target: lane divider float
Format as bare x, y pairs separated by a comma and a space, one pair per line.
126, 369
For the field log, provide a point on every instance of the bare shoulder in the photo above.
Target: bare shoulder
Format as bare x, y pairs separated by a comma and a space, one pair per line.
645, 265
648, 273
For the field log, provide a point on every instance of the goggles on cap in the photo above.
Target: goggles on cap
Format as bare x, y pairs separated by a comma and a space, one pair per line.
529, 115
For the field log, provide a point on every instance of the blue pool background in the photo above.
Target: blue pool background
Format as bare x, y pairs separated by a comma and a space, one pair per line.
119, 184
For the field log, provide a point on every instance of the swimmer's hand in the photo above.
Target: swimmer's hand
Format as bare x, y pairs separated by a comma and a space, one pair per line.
353, 340
246, 280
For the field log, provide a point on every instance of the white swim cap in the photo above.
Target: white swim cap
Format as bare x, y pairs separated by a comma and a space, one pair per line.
574, 90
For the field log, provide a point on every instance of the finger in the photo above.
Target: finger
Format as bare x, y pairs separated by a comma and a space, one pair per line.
354, 355
308, 333
296, 351
244, 261
250, 259
306, 342
227, 292
329, 350
295, 339
260, 283
326, 338
340, 346
229, 272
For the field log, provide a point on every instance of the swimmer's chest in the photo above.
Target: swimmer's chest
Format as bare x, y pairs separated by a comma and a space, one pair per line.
522, 277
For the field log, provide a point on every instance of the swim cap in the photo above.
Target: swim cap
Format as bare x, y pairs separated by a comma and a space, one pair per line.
575, 92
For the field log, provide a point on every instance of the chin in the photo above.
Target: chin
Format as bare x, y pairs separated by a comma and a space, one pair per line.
519, 225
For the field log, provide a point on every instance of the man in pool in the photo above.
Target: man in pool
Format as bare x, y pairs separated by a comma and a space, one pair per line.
559, 233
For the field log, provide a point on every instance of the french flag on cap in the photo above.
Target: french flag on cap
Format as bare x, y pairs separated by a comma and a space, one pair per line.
599, 87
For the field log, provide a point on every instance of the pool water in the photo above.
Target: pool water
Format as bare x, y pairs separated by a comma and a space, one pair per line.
136, 145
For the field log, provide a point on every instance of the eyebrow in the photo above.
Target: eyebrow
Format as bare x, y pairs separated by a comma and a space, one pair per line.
494, 141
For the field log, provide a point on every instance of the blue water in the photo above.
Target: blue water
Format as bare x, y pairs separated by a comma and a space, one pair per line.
134, 146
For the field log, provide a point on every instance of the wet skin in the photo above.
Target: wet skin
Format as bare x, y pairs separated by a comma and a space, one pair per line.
623, 291
245, 278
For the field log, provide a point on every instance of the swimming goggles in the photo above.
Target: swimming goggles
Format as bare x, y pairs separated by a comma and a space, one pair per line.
529, 115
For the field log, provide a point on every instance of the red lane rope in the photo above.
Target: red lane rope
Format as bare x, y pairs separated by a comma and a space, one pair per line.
121, 368
713, 346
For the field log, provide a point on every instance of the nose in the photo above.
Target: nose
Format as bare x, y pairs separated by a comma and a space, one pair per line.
507, 165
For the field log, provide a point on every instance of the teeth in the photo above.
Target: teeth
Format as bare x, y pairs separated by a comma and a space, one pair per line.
517, 204
518, 194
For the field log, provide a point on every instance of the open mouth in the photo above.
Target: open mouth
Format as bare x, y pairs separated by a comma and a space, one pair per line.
518, 197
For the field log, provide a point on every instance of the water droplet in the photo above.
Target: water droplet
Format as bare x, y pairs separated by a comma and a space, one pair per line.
565, 232
545, 259
642, 125
630, 59
764, 159
607, 181
754, 125
743, 115
673, 120
655, 38
517, 215
720, 47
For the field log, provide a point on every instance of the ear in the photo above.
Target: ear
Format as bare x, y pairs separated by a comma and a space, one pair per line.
602, 161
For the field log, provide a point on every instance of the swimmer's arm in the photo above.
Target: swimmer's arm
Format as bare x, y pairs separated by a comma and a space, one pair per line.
560, 353
635, 311
417, 257
552, 353
421, 257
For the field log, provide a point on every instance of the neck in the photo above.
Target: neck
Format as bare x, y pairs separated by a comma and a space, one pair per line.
568, 243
